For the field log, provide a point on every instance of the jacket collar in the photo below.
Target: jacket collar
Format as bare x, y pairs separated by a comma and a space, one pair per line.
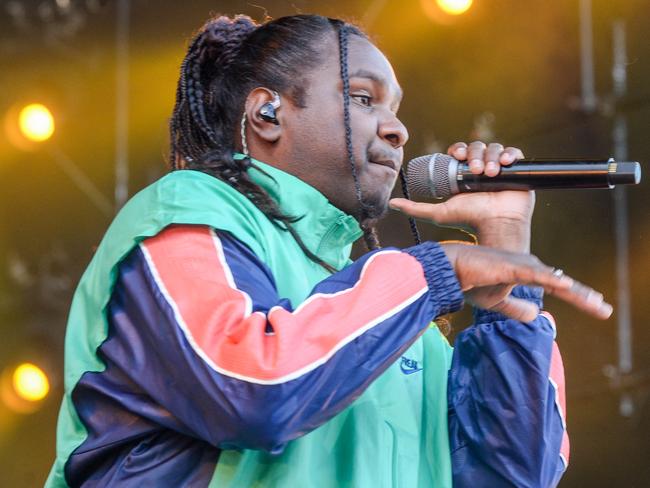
325, 230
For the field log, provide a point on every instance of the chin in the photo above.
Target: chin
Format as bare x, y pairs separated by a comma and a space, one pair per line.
374, 207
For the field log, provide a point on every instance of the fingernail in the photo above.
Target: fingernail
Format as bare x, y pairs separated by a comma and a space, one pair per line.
475, 165
606, 309
492, 167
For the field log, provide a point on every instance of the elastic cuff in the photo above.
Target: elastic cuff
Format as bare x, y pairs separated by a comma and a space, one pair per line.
533, 294
444, 288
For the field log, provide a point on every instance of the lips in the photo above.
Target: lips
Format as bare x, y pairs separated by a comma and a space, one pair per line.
391, 164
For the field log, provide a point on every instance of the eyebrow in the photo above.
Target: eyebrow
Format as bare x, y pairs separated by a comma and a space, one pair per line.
363, 73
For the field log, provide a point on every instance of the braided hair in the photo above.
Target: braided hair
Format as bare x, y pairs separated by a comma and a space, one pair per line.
367, 224
225, 60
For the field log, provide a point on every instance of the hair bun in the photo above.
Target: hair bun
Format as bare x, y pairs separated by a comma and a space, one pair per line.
222, 37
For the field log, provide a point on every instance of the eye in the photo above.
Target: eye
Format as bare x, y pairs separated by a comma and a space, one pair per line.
362, 99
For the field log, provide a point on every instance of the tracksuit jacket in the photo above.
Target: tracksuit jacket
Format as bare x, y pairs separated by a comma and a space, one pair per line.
204, 348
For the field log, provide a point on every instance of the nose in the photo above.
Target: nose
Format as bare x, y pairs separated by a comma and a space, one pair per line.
393, 131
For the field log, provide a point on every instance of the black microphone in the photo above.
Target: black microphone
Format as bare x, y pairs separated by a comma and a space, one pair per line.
441, 176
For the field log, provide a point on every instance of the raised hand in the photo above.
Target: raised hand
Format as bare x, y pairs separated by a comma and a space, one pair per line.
487, 275
499, 219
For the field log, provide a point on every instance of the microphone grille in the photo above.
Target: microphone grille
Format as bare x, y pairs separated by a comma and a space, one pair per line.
428, 176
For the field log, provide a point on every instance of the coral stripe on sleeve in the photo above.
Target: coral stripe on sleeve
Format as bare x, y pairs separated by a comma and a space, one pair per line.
189, 266
556, 377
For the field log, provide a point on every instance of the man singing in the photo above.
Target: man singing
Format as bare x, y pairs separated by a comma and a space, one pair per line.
221, 336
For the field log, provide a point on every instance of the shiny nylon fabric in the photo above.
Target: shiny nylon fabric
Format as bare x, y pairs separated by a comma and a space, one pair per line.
395, 434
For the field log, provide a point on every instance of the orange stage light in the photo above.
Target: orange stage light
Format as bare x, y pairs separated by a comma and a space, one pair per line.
454, 7
36, 122
24, 387
30, 382
445, 11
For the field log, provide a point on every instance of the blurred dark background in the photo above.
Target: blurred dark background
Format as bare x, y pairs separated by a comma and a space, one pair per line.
505, 70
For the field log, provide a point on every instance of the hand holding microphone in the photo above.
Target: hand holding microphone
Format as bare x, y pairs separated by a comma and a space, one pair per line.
441, 176
501, 220
479, 178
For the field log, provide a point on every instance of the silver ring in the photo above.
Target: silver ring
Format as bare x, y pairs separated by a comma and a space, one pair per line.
557, 272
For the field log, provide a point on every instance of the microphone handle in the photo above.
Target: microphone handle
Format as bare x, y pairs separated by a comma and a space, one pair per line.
529, 174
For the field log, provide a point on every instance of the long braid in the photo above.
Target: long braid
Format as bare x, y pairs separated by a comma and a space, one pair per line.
369, 232
173, 128
175, 124
370, 236
345, 77
195, 92
183, 121
405, 190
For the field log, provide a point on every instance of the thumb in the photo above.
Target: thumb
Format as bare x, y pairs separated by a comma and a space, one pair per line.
436, 212
517, 308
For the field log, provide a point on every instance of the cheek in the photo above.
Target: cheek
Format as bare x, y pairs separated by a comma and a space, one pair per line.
322, 129
364, 131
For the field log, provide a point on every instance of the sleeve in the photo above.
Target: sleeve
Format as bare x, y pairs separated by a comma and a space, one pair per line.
507, 407
238, 366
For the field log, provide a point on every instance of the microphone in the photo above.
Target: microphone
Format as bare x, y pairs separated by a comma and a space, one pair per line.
441, 176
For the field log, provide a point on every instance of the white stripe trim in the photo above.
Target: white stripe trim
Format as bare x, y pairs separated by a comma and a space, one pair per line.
229, 277
347, 290
177, 315
360, 331
291, 376
557, 402
560, 412
551, 321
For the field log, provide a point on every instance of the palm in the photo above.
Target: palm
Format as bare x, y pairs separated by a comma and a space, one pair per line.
478, 209
500, 219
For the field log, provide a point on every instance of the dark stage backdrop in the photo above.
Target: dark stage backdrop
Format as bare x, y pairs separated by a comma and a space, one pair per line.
506, 70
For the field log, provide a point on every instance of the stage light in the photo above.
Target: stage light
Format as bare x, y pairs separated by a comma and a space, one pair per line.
454, 7
36, 122
445, 12
30, 382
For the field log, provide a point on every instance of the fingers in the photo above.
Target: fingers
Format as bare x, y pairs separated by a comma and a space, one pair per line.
484, 158
458, 151
510, 155
526, 269
517, 308
475, 154
566, 288
492, 156
438, 212
585, 298
480, 267
571, 291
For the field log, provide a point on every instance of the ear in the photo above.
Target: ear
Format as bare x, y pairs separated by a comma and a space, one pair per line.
264, 130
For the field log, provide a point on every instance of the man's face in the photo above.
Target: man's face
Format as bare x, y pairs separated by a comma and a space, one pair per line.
316, 133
